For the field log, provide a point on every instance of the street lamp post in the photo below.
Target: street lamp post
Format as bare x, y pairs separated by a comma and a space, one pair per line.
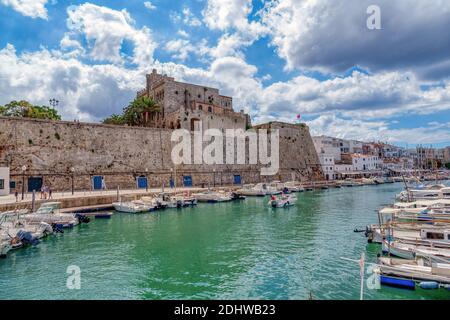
214, 177
72, 170
146, 177
53, 103
24, 168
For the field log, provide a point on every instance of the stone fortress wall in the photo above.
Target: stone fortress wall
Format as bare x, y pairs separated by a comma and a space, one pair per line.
49, 149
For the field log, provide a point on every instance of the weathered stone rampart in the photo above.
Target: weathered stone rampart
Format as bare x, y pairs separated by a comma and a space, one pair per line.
49, 149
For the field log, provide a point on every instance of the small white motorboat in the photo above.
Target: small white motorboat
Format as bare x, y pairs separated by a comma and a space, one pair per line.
412, 251
163, 201
251, 191
212, 197
131, 207
49, 212
272, 188
282, 202
427, 192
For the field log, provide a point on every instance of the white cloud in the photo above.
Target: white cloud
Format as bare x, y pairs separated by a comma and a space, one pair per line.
149, 5
187, 17
71, 46
359, 96
190, 19
105, 30
29, 8
183, 33
232, 17
225, 14
332, 125
86, 92
90, 91
182, 48
333, 36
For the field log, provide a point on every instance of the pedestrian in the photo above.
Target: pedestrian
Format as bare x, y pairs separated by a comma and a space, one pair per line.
50, 193
16, 194
103, 184
42, 192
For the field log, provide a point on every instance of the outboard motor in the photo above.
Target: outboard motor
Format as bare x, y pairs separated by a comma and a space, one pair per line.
82, 218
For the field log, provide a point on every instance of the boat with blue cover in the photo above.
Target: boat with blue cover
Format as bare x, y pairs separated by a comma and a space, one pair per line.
411, 273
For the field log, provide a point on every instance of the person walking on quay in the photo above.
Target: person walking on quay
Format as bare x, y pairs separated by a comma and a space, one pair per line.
50, 193
42, 191
16, 194
45, 192
103, 184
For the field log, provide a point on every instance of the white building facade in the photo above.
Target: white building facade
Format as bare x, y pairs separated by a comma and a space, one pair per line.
328, 166
328, 145
362, 162
4, 181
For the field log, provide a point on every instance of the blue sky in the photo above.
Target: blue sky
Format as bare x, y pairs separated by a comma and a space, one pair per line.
276, 58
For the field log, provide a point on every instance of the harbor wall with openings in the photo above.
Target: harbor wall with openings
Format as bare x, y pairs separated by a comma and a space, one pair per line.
54, 152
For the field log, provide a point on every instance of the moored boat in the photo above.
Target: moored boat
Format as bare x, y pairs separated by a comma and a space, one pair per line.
49, 212
411, 273
412, 251
131, 207
212, 197
251, 191
283, 201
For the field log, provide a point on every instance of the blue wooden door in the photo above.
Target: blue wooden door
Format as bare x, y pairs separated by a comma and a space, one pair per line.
142, 182
97, 182
187, 181
34, 183
237, 179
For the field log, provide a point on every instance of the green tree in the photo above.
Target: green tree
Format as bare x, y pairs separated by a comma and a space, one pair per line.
24, 109
44, 112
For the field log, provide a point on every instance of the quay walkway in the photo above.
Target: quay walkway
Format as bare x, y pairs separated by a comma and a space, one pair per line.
84, 198
102, 198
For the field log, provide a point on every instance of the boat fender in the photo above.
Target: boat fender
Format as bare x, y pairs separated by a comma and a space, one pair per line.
428, 285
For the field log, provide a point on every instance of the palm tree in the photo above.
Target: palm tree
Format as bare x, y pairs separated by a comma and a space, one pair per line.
138, 111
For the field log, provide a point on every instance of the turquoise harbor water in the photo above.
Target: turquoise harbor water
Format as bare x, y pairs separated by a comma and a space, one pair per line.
241, 250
